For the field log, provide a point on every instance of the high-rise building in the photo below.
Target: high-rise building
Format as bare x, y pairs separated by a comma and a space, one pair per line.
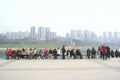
47, 33
87, 35
73, 34
104, 36
80, 35
12, 35
93, 36
119, 35
33, 32
53, 35
25, 34
8, 35
115, 36
109, 36
41, 33
20, 35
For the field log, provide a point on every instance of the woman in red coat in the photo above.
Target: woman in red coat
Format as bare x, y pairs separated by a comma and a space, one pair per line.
103, 52
10, 53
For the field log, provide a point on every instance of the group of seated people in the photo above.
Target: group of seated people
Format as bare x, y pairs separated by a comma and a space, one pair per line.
41, 53
103, 52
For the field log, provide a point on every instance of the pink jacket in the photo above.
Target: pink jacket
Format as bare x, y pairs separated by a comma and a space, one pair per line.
46, 52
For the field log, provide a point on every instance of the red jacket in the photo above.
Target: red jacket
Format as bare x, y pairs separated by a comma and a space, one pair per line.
10, 52
102, 50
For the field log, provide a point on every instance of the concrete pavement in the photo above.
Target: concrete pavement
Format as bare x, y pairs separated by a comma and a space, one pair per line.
93, 69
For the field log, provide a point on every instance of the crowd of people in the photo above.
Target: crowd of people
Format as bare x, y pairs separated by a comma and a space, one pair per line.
102, 52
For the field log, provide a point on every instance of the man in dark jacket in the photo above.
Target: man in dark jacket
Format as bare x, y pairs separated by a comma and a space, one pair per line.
93, 52
88, 53
63, 52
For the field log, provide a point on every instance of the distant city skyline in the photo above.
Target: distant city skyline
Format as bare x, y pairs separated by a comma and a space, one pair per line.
60, 15
36, 31
45, 33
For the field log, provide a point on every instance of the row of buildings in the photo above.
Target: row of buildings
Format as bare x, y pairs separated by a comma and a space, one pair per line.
111, 36
44, 33
86, 35
17, 35
83, 35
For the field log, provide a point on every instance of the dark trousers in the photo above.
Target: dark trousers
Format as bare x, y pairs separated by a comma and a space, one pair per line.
93, 55
108, 54
88, 56
63, 55
35, 56
72, 55
55, 56
104, 56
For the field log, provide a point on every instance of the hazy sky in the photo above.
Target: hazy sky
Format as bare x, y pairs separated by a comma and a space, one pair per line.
60, 15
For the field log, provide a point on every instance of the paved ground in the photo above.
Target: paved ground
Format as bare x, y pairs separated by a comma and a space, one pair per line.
94, 69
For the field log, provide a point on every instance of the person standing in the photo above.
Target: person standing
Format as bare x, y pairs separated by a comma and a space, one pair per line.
103, 52
93, 52
88, 53
63, 52
108, 51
